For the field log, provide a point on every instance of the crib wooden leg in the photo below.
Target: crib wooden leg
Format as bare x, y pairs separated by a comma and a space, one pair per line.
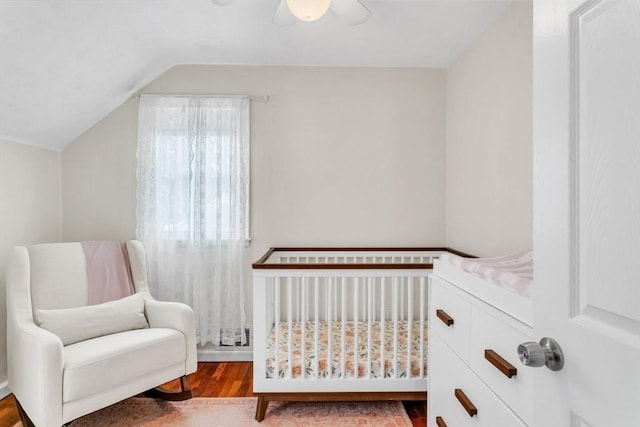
261, 408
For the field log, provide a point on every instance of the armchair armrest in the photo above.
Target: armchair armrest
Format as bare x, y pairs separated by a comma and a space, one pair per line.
35, 364
34, 355
174, 315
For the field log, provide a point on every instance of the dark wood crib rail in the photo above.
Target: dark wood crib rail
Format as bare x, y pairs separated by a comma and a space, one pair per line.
262, 262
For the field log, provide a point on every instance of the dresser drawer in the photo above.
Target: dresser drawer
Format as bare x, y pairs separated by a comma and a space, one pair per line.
493, 348
451, 381
450, 316
439, 397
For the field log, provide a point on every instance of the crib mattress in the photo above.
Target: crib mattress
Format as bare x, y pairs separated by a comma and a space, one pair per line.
365, 365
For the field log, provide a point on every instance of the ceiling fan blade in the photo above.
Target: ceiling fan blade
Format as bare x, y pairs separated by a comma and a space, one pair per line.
283, 15
352, 10
221, 2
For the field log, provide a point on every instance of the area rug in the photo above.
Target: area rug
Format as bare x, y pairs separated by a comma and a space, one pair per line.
240, 412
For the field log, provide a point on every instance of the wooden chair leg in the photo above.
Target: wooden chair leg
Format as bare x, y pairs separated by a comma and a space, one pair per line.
162, 393
261, 408
26, 421
185, 383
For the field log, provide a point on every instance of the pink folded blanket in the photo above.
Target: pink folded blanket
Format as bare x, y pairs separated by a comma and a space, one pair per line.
108, 271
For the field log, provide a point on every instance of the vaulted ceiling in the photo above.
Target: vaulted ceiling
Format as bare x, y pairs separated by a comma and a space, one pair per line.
65, 64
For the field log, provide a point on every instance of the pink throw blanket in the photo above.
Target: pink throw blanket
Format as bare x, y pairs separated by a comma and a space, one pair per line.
108, 271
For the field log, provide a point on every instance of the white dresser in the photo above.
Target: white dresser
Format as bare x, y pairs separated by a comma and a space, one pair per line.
475, 377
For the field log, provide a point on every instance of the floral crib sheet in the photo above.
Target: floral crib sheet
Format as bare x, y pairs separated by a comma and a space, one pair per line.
321, 368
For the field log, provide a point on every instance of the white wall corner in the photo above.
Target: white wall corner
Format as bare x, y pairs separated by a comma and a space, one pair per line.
4, 390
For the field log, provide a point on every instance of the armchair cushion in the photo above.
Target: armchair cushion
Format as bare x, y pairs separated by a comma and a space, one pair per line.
99, 364
77, 324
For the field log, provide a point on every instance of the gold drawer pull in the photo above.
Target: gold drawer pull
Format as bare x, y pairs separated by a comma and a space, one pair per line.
440, 422
466, 403
446, 319
502, 365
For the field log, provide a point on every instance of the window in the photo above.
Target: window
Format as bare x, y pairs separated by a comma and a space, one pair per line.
194, 164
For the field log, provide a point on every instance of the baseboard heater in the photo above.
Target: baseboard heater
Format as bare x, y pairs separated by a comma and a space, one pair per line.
248, 340
229, 353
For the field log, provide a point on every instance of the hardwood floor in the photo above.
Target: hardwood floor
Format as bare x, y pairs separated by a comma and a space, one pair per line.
232, 379
8, 411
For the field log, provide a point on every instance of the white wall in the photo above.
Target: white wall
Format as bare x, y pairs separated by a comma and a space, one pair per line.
29, 210
489, 139
99, 179
340, 156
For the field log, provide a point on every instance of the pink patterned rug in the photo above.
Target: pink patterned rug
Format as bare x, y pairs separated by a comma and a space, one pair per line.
240, 412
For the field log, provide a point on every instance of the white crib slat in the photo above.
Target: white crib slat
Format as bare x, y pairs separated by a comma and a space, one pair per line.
296, 297
277, 281
383, 304
334, 291
356, 323
370, 323
290, 326
316, 324
422, 327
303, 327
395, 327
344, 327
300, 300
401, 299
329, 328
363, 299
409, 323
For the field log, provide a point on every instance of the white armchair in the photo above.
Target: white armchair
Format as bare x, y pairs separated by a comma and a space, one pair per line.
53, 383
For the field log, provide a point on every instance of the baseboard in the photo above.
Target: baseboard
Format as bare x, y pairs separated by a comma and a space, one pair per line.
213, 355
4, 389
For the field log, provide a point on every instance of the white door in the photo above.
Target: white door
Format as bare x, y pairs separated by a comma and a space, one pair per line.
587, 210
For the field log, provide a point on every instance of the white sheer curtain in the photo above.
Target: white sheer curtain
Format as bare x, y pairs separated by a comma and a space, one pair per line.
193, 206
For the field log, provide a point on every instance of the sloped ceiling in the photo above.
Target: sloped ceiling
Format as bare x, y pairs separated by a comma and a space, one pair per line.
65, 64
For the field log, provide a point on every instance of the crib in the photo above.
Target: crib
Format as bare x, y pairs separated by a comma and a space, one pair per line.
341, 324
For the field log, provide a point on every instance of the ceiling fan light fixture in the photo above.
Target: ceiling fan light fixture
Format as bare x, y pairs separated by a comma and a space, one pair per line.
308, 10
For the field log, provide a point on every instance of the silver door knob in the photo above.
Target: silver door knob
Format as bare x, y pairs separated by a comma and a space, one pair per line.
548, 353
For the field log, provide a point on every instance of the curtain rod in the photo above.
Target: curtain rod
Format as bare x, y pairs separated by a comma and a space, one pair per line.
264, 98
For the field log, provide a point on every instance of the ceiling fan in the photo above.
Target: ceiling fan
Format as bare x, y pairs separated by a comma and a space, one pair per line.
290, 11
